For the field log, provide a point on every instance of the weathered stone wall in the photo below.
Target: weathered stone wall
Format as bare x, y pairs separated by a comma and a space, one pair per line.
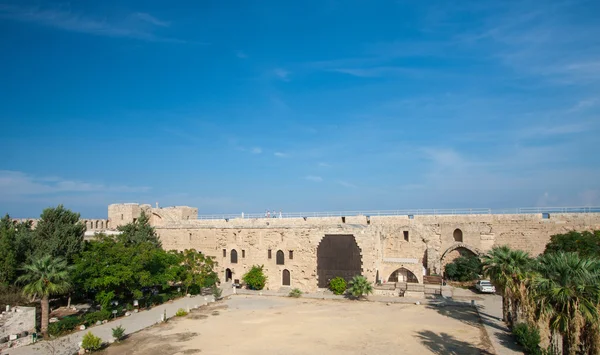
382, 240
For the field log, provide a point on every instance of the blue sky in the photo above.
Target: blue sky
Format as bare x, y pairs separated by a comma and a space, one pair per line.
298, 106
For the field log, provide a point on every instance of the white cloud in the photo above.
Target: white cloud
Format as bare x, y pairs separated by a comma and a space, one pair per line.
314, 178
345, 184
16, 183
281, 155
324, 165
131, 27
151, 19
256, 150
282, 74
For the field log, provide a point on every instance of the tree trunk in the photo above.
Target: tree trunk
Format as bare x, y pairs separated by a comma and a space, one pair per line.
504, 309
69, 301
45, 302
515, 312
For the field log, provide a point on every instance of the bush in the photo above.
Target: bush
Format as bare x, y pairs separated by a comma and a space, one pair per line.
464, 268
338, 285
360, 286
91, 342
217, 292
296, 293
63, 326
181, 312
529, 337
255, 279
92, 318
118, 333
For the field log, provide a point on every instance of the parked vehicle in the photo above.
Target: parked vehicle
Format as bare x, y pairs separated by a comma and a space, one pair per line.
485, 286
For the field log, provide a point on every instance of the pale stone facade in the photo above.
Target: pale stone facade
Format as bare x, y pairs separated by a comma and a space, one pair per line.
421, 244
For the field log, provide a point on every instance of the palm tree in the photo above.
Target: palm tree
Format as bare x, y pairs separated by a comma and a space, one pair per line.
567, 292
509, 270
359, 286
44, 277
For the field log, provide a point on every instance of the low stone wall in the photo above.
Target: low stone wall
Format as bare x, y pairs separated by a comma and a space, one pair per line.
17, 325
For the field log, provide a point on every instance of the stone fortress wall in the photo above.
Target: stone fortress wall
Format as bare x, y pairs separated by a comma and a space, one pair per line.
306, 252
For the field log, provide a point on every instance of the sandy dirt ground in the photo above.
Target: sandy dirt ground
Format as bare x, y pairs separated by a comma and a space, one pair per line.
272, 325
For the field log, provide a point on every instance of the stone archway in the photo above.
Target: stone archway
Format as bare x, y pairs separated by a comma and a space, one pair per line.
228, 275
338, 255
403, 275
455, 251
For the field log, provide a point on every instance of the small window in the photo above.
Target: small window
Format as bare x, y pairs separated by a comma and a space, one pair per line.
121, 216
406, 235
243, 253
269, 253
546, 215
280, 257
224, 253
190, 236
458, 235
291, 253
233, 256
343, 219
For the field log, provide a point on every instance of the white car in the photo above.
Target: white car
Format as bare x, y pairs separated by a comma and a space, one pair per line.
485, 286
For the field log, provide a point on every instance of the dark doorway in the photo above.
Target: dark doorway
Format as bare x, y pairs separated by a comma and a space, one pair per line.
338, 255
280, 257
286, 278
233, 256
228, 275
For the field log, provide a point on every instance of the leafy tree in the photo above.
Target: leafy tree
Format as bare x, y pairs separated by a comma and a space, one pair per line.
585, 243
464, 268
567, 292
139, 231
360, 286
45, 277
338, 285
508, 269
59, 233
8, 257
255, 279
196, 269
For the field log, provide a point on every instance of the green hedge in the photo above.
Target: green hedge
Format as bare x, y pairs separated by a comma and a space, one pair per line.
64, 325
92, 318
529, 337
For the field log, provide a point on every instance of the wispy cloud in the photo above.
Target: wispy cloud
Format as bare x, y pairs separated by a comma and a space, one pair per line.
281, 74
256, 150
324, 165
345, 184
17, 183
135, 26
281, 155
314, 178
151, 19
241, 54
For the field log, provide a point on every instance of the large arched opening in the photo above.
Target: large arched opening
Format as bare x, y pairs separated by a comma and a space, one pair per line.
338, 255
228, 275
455, 251
403, 275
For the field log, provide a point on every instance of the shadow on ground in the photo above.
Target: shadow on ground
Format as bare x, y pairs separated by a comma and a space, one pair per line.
445, 344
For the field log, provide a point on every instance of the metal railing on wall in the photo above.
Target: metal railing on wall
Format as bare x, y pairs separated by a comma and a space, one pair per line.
407, 212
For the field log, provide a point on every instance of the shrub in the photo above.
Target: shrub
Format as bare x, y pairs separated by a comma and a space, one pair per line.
529, 337
464, 268
181, 312
296, 293
91, 342
338, 285
118, 333
63, 326
359, 286
255, 279
92, 318
217, 292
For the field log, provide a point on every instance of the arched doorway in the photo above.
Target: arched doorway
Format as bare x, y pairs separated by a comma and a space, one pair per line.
280, 257
228, 275
233, 256
337, 255
403, 275
285, 278
458, 235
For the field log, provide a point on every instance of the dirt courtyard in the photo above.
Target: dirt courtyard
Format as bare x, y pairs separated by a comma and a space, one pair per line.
272, 325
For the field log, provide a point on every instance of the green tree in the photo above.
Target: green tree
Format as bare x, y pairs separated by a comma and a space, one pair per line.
43, 278
464, 268
59, 233
360, 286
8, 257
585, 243
139, 231
508, 269
567, 293
196, 269
255, 279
